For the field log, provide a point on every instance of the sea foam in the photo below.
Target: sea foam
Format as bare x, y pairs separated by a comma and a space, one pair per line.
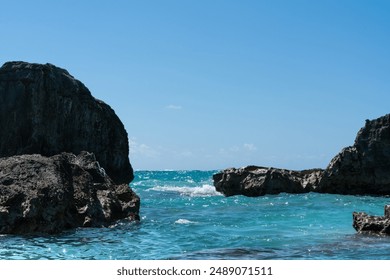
184, 222
204, 190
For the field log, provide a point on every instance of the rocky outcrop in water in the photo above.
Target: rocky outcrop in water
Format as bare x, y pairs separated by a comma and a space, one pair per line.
51, 194
46, 117
364, 223
363, 168
44, 110
258, 181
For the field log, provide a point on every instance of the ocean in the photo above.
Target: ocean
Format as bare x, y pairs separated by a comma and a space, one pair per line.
183, 217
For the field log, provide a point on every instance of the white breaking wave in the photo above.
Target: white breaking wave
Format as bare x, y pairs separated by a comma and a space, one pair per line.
184, 222
205, 190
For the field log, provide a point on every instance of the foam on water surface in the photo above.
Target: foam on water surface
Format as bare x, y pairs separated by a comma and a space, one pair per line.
205, 190
184, 222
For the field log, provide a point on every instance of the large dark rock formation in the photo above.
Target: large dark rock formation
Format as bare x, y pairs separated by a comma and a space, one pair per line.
258, 181
44, 110
363, 168
364, 223
51, 194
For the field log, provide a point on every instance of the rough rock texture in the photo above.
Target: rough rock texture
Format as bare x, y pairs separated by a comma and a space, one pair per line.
258, 181
44, 110
50, 194
364, 223
363, 168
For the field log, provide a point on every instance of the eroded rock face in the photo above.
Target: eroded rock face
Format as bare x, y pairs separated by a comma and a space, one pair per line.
44, 110
364, 223
363, 168
258, 181
50, 194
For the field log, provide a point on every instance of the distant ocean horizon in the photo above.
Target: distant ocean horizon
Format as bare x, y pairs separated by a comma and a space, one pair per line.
183, 217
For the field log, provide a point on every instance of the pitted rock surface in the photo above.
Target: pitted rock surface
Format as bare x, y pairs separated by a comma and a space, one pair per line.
50, 194
45, 110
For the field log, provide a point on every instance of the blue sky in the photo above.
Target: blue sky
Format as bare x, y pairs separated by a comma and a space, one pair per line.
215, 84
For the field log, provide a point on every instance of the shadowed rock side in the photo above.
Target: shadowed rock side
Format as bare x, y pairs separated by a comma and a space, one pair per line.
364, 168
44, 110
364, 223
258, 181
50, 194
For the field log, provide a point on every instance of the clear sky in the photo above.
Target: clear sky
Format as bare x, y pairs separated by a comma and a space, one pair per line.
211, 84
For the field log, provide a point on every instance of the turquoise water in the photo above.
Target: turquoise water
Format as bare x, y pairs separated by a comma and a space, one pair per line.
184, 218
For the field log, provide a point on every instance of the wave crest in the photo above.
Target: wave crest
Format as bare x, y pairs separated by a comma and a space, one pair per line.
184, 222
204, 190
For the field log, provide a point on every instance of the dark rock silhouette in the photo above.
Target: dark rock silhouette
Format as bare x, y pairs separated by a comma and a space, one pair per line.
364, 223
51, 194
46, 117
44, 110
363, 168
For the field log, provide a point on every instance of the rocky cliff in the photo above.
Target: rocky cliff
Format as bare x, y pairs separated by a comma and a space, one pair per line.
44, 110
363, 168
50, 194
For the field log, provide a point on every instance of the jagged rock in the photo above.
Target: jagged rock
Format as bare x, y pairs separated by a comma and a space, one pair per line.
49, 194
363, 168
44, 110
258, 181
364, 223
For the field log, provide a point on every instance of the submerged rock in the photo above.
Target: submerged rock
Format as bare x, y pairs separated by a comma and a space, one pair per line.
363, 168
44, 110
258, 181
364, 223
49, 194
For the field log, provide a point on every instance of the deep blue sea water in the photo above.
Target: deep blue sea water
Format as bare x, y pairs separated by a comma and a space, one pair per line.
184, 218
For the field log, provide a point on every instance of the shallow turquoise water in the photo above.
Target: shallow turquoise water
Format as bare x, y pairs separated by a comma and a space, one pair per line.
184, 218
